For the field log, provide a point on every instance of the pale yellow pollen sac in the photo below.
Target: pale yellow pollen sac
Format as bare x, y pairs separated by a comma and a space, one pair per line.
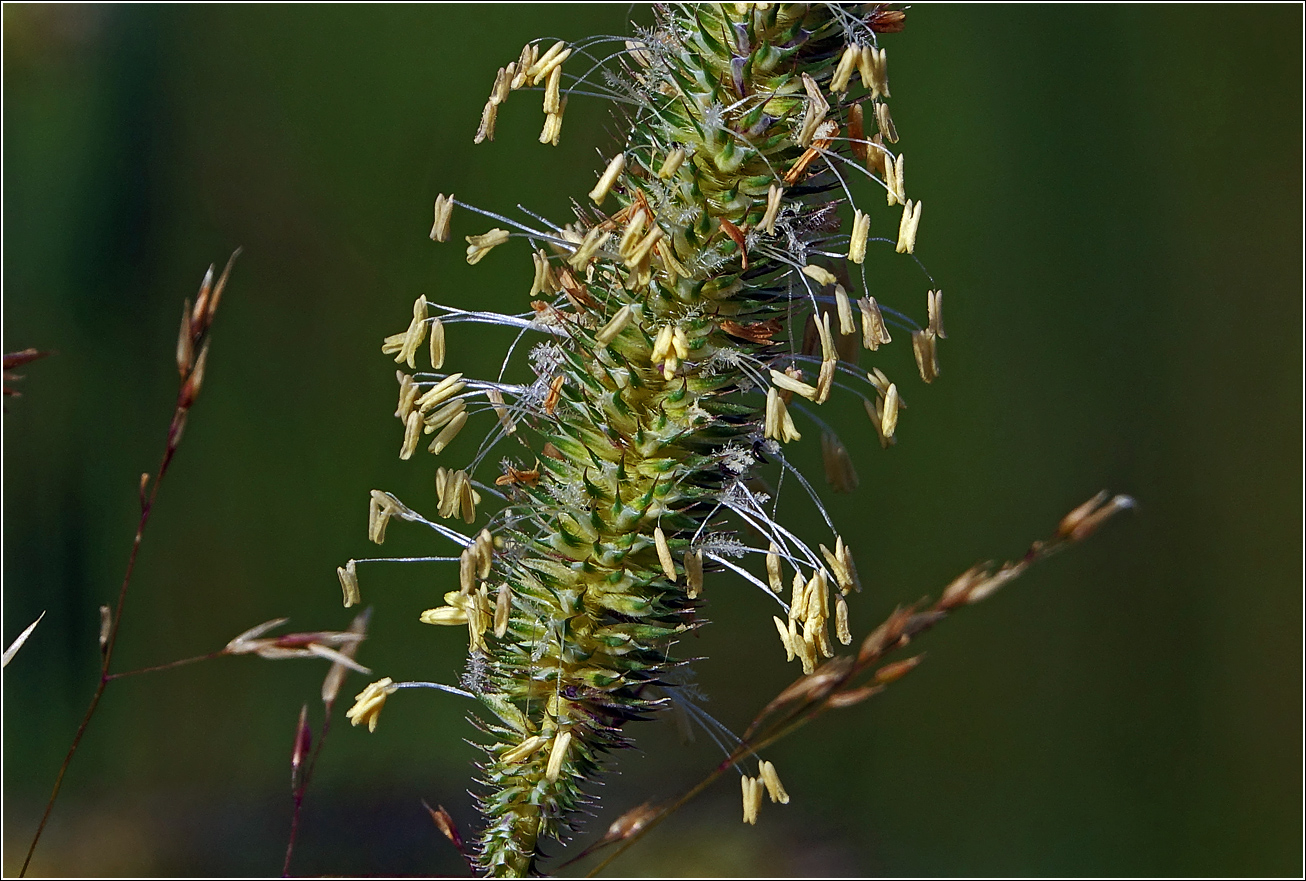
443, 416
680, 343
773, 200
907, 227
889, 421
664, 352
480, 616
553, 91
874, 331
774, 788
479, 246
608, 178
674, 268
449, 490
934, 302
846, 558
866, 67
467, 570
557, 54
467, 501
807, 650
773, 569
502, 609
817, 108
630, 238
818, 598
818, 613
798, 598
503, 83
368, 703
672, 163
529, 55
393, 343
552, 130
925, 346
443, 218
884, 122
829, 360
470, 608
795, 374
415, 334
637, 54
877, 378
437, 344
861, 232
845, 309
771, 421
446, 436
752, 791
501, 410
875, 412
440, 392
693, 573
664, 554
840, 473
779, 425
379, 510
545, 282
444, 485
445, 615
823, 644
784, 638
841, 620
819, 274
661, 344
788, 432
788, 383
484, 553
489, 115
615, 326
874, 66
877, 155
895, 185
841, 574
843, 71
557, 755
349, 582
412, 431
642, 250
407, 394
589, 246
523, 750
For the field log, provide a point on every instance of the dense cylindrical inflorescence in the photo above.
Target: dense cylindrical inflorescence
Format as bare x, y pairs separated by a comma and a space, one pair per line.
702, 292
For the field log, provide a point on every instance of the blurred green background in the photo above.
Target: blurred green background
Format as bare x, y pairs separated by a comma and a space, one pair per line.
1115, 217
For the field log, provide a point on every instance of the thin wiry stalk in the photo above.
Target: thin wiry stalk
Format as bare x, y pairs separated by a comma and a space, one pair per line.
844, 681
301, 772
192, 353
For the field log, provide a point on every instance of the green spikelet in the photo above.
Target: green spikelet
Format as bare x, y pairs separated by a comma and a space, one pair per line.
674, 310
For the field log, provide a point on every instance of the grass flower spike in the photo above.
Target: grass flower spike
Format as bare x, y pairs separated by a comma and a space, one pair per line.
689, 321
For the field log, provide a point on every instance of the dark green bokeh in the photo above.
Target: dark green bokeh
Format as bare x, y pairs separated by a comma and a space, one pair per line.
1115, 215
